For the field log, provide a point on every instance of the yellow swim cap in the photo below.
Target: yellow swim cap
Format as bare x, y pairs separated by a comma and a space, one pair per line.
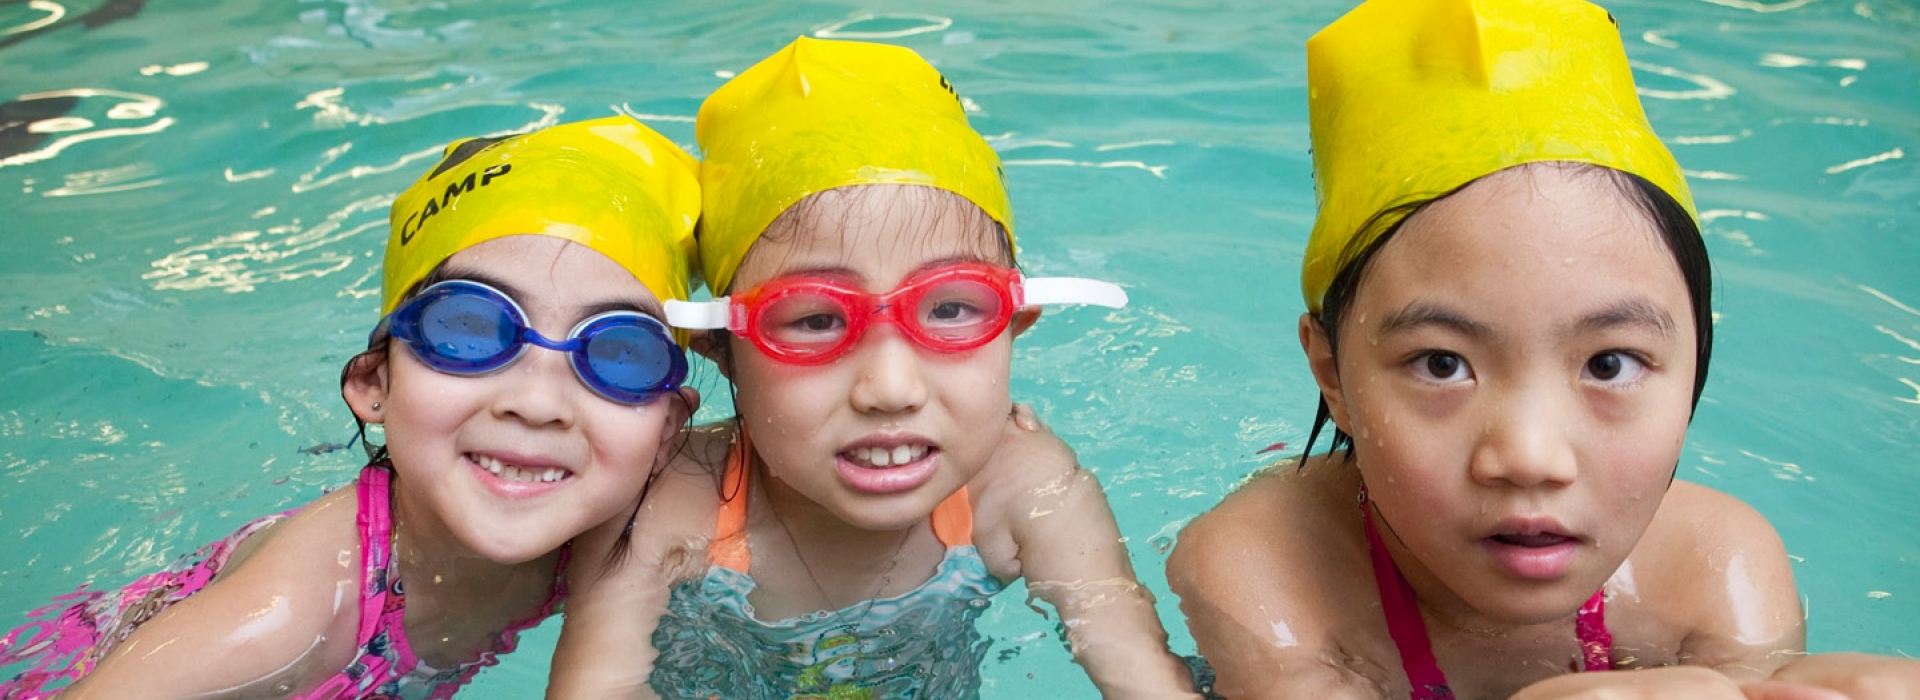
823, 114
609, 184
1410, 99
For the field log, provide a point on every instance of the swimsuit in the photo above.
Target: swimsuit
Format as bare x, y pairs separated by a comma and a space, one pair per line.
1409, 631
919, 644
66, 647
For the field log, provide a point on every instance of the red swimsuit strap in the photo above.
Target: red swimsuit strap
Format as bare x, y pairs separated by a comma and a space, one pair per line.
1409, 631
1404, 624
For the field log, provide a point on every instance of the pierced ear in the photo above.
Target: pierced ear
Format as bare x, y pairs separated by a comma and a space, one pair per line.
712, 346
1326, 370
1024, 319
364, 386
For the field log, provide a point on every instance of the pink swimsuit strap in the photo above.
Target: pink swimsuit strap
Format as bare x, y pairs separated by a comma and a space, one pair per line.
1409, 631
385, 655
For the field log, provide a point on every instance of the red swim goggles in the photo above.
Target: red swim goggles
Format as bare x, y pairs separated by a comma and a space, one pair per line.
952, 308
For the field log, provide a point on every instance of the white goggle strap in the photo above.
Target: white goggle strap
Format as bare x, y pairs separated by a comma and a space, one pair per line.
1066, 290
699, 315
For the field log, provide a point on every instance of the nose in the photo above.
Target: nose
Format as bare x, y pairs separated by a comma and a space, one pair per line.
538, 388
1526, 441
890, 378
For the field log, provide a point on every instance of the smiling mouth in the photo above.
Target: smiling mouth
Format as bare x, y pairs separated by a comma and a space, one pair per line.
510, 472
885, 457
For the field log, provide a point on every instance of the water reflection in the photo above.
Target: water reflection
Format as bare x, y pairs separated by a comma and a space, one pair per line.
847, 28
1762, 7
242, 260
70, 117
1709, 88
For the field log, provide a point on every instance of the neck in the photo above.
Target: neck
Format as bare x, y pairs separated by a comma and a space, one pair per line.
436, 566
822, 536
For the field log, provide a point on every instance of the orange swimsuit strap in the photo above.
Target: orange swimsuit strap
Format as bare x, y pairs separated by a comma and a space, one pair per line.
952, 519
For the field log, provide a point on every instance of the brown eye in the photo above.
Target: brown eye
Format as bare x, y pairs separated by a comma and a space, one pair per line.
1438, 366
1615, 367
1605, 367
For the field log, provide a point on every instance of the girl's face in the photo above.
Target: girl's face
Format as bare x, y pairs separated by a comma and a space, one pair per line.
822, 430
1516, 370
514, 463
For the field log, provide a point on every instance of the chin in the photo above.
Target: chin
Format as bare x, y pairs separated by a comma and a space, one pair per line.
511, 551
1531, 603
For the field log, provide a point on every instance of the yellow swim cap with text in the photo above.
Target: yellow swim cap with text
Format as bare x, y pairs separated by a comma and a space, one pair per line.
822, 114
1410, 99
612, 185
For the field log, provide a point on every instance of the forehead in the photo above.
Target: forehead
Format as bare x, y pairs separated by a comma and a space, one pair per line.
545, 267
1528, 243
878, 233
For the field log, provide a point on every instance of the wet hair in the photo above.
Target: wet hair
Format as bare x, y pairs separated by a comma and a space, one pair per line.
376, 352
1676, 228
832, 211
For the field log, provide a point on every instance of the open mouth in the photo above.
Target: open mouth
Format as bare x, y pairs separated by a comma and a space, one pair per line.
885, 457
509, 472
1544, 539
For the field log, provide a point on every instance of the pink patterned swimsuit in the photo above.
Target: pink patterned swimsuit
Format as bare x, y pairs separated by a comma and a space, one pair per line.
64, 641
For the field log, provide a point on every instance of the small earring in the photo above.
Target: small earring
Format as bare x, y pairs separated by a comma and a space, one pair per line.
376, 405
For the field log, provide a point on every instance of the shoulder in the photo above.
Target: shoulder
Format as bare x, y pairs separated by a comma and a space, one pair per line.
1715, 572
1274, 585
1032, 480
1699, 529
676, 519
1281, 509
284, 615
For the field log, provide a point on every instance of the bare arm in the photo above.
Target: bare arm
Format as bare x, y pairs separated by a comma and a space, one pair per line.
1070, 551
614, 605
1240, 585
281, 622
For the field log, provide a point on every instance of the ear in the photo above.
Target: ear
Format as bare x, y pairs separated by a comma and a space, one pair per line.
364, 386
710, 345
681, 406
1024, 319
1326, 370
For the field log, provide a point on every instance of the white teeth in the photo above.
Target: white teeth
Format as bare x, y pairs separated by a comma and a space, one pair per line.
513, 473
882, 457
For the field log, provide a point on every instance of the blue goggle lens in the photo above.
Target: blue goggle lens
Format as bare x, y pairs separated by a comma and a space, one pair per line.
464, 327
468, 333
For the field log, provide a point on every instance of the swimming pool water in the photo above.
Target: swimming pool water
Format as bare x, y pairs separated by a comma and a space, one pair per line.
193, 198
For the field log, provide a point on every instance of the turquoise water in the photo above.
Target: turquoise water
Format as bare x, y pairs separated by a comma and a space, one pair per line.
192, 243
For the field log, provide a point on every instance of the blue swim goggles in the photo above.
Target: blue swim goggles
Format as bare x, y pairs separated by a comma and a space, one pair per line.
463, 327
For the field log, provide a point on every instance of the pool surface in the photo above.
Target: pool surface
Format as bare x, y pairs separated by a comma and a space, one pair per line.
193, 200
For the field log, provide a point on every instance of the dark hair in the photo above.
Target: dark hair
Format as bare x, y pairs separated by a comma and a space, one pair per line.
1676, 228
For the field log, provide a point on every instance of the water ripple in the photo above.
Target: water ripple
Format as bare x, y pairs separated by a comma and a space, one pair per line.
74, 129
843, 28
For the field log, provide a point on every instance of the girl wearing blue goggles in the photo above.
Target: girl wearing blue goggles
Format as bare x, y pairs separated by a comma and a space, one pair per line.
463, 327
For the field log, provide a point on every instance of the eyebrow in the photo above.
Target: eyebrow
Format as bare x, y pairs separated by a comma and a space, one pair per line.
648, 307
1422, 314
1628, 313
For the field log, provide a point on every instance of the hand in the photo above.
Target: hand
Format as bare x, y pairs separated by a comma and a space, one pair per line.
1665, 683
1025, 419
1858, 676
